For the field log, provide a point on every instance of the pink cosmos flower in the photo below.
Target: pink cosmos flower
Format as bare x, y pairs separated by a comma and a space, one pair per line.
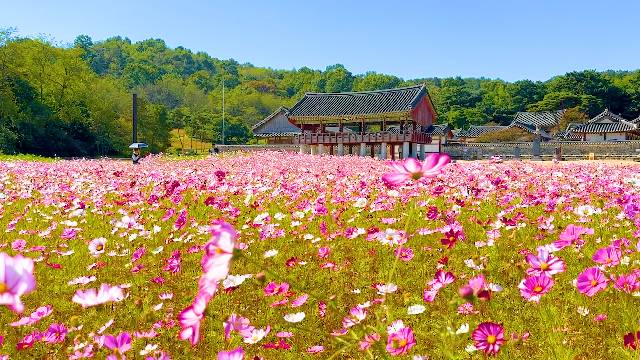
591, 281
399, 342
118, 344
68, 233
299, 301
181, 221
235, 354
323, 252
478, 287
35, 316
609, 256
315, 349
533, 287
627, 283
191, 317
215, 267
239, 324
413, 169
403, 253
106, 293
631, 340
488, 337
16, 279
96, 246
369, 340
273, 288
570, 235
442, 279
545, 263
55, 334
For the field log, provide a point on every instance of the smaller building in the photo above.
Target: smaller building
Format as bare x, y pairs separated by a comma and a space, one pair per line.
607, 126
471, 134
544, 120
276, 128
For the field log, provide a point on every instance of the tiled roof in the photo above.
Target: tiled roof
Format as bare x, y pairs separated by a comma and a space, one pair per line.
606, 122
276, 134
358, 103
438, 130
616, 127
543, 119
263, 121
568, 133
275, 125
606, 114
477, 130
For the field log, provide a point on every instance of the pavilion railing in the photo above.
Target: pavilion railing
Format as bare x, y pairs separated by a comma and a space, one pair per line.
357, 138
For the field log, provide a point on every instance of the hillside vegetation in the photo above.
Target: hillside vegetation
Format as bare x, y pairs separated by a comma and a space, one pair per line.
75, 100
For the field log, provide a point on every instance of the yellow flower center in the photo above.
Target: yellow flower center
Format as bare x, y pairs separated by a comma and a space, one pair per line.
99, 247
3, 288
219, 251
538, 288
452, 238
402, 343
544, 266
594, 282
491, 339
416, 176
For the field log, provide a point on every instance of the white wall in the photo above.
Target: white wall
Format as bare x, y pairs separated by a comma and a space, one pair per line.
610, 137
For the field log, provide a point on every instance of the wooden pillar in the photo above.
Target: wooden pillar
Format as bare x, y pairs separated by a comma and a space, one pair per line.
393, 151
383, 151
373, 149
330, 149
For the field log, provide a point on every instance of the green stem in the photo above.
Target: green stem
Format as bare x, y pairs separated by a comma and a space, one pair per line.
313, 294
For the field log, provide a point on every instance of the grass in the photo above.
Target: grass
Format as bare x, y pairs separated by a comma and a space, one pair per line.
188, 144
310, 202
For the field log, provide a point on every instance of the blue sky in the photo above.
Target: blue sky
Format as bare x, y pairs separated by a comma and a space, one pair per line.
512, 40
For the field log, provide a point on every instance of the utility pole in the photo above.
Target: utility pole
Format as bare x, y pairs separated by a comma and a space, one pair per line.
134, 130
223, 104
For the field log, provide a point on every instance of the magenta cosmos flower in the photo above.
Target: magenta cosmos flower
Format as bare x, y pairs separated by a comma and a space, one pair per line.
411, 168
533, 287
488, 337
399, 342
545, 263
609, 256
235, 354
16, 279
215, 267
591, 281
118, 344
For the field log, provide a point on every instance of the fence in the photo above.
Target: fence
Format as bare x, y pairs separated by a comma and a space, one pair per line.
571, 150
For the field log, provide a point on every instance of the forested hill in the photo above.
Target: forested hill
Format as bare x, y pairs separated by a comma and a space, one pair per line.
76, 100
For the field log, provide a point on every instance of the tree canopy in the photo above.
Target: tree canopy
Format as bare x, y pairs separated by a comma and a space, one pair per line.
75, 100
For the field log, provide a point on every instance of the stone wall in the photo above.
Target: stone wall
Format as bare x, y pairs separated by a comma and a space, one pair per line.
570, 149
272, 147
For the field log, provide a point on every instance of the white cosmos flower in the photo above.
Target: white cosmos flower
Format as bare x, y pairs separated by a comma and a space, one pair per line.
463, 329
256, 336
294, 317
360, 203
416, 309
270, 253
470, 348
235, 280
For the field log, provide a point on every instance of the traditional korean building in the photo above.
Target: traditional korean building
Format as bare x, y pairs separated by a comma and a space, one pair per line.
363, 120
544, 120
276, 128
474, 131
607, 126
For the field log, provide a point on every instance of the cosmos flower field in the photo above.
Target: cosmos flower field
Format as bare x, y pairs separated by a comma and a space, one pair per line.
288, 256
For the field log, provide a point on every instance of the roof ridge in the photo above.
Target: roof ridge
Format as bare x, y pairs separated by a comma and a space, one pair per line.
366, 91
269, 117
